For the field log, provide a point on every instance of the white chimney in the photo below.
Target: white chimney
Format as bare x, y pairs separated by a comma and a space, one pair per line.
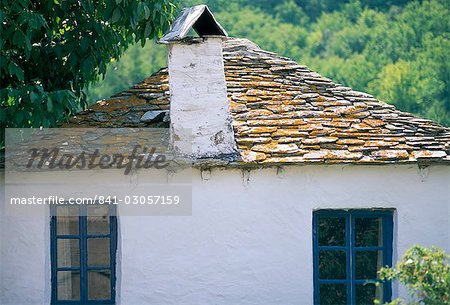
199, 109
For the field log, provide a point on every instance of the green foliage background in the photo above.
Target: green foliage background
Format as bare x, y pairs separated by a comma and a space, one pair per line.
397, 50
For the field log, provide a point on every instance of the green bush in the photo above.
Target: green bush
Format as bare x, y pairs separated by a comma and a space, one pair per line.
426, 274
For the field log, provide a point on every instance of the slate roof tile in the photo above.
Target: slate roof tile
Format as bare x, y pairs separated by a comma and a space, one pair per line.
284, 113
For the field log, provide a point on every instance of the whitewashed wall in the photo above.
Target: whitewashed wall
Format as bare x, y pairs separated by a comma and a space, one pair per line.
199, 108
249, 240
25, 271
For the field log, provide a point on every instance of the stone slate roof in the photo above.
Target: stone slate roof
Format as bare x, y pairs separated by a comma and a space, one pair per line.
283, 112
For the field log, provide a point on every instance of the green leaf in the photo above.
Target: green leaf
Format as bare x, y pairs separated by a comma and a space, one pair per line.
19, 38
2, 115
46, 122
28, 47
73, 60
146, 11
88, 65
133, 20
16, 70
19, 116
58, 51
35, 98
116, 15
49, 104
85, 43
148, 30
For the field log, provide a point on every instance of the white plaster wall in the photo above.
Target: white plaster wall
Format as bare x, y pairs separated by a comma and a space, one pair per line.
249, 239
24, 257
199, 106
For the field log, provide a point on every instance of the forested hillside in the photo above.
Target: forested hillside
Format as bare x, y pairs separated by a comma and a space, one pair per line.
397, 50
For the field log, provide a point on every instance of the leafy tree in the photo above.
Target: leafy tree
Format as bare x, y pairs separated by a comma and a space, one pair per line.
136, 64
51, 50
289, 12
426, 274
399, 56
261, 28
396, 83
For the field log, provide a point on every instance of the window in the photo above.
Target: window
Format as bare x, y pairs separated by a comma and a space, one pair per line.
350, 246
83, 250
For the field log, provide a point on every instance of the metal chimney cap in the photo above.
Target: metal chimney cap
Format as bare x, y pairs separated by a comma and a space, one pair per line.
197, 17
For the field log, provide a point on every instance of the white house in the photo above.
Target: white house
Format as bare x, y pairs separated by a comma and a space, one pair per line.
301, 190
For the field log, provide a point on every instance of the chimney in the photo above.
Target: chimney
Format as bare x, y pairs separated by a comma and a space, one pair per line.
199, 110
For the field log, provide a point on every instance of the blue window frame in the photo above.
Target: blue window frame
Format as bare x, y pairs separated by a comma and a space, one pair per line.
83, 254
350, 246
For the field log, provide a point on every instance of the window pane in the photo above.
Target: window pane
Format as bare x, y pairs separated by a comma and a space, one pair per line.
68, 285
68, 252
367, 264
98, 220
99, 285
331, 231
367, 293
332, 265
67, 221
333, 294
368, 232
98, 252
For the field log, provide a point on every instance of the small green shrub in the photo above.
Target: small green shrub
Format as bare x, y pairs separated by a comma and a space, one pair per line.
426, 274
